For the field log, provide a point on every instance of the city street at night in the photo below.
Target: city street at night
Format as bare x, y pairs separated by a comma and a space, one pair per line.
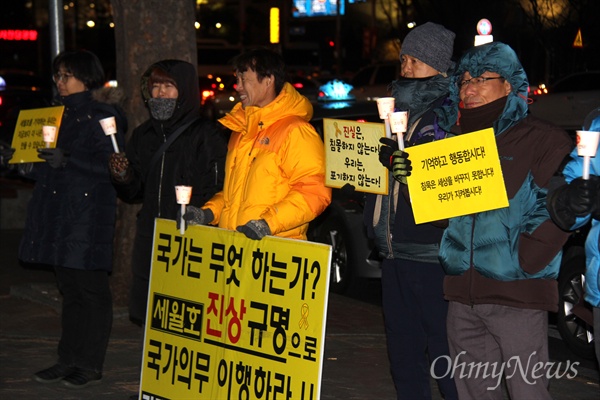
289, 119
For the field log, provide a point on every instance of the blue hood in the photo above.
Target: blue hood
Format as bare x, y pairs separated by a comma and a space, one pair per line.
493, 57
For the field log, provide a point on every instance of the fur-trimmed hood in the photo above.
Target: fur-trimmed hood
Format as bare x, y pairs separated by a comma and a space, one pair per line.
110, 95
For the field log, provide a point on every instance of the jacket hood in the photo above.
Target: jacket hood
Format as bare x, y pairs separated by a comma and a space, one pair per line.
110, 95
188, 100
288, 103
493, 57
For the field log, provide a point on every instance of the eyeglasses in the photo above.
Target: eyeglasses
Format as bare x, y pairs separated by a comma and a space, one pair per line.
58, 77
476, 82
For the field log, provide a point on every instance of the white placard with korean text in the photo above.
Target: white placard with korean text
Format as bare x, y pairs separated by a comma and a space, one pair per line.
456, 176
231, 317
352, 155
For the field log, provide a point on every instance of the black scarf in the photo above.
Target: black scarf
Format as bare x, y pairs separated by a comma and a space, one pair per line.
418, 94
475, 119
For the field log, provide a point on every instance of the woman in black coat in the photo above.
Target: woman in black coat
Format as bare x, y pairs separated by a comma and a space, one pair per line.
148, 173
71, 218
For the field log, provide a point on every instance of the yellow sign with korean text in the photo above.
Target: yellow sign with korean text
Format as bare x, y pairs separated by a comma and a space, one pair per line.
352, 155
234, 318
28, 132
456, 176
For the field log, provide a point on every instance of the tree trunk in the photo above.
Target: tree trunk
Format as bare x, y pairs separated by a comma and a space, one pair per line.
146, 31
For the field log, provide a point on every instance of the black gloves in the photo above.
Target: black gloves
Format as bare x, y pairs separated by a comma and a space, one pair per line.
54, 157
6, 153
118, 165
255, 229
348, 190
386, 151
577, 199
394, 159
582, 195
401, 166
196, 216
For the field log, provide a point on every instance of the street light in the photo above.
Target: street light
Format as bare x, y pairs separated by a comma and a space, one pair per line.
274, 25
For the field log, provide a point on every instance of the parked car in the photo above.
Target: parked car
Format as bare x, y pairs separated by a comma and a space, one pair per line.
373, 81
569, 100
574, 319
217, 93
307, 86
354, 256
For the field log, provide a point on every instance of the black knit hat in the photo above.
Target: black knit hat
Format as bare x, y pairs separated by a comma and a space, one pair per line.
431, 43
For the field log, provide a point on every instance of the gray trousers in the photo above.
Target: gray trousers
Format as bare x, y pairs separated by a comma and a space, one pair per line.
489, 342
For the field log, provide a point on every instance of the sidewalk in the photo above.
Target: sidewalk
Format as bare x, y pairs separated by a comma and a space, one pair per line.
355, 363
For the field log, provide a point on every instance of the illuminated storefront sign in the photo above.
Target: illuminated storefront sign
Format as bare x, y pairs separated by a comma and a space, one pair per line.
18, 34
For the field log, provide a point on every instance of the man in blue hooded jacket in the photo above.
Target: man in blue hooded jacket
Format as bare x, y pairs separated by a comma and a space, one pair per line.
573, 205
502, 264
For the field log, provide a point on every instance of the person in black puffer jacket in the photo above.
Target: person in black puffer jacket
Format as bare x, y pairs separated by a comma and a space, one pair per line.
195, 158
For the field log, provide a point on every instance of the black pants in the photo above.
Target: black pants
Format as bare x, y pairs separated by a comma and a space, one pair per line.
415, 323
86, 317
140, 280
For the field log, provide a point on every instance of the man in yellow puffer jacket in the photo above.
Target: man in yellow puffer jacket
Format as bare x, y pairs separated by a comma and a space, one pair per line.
275, 167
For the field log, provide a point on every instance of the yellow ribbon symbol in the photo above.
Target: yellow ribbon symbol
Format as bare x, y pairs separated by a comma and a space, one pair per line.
304, 320
338, 131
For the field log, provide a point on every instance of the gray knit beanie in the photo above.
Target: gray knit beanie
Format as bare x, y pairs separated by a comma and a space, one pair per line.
431, 43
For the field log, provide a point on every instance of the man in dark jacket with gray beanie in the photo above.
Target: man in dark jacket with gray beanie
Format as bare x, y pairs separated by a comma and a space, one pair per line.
148, 173
412, 295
